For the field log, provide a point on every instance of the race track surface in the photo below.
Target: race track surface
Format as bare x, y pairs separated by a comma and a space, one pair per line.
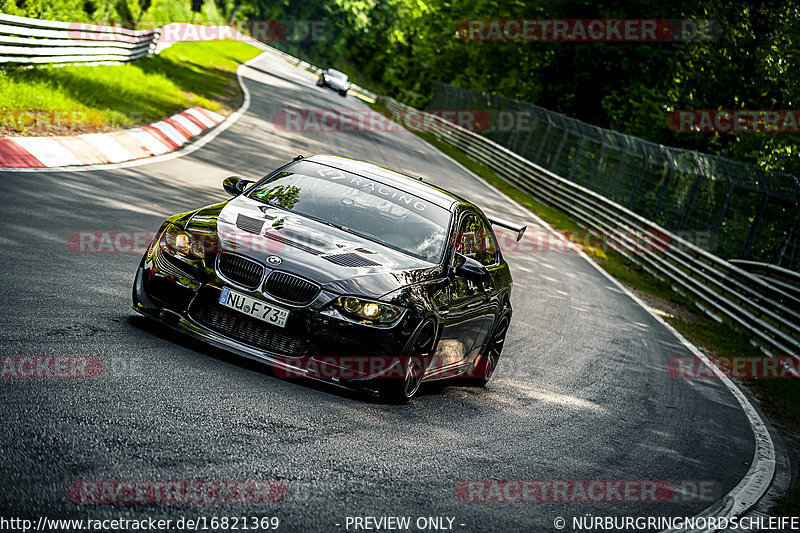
581, 392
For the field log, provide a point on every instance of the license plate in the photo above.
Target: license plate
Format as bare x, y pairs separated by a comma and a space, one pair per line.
259, 309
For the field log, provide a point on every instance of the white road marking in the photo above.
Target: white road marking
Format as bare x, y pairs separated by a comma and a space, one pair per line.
757, 480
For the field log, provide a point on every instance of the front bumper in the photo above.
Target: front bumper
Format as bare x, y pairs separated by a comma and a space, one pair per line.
336, 87
314, 344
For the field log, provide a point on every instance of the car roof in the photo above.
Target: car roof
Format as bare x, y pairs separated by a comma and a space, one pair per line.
404, 182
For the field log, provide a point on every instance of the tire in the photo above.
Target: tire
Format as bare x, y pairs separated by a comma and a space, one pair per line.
487, 361
402, 390
343, 93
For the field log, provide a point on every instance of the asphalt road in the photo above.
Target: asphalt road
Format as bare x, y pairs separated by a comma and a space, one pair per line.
581, 392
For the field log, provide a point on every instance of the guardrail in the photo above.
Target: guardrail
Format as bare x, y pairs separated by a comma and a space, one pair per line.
33, 41
723, 289
737, 210
785, 279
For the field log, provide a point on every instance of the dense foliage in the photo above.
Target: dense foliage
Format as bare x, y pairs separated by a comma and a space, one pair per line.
399, 46
630, 87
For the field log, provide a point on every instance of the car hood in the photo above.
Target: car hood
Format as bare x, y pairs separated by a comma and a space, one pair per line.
339, 261
336, 83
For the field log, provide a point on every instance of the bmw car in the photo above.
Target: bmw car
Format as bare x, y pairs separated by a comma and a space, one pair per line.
338, 270
335, 80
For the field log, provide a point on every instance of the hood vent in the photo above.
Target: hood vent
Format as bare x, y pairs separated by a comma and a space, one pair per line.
253, 225
351, 260
304, 237
277, 237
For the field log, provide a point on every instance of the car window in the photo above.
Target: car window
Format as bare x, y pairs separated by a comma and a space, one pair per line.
475, 239
360, 205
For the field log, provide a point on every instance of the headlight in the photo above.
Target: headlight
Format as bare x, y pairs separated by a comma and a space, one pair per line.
182, 244
372, 311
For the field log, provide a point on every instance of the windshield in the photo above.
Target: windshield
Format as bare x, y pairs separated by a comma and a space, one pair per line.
359, 205
336, 74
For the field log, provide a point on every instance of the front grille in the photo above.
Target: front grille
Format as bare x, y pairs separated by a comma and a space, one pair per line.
290, 288
248, 330
241, 270
351, 260
173, 266
253, 225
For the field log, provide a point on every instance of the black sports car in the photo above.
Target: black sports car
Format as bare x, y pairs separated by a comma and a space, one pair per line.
334, 79
335, 269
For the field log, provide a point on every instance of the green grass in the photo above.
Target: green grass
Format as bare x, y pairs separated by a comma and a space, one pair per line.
780, 398
97, 98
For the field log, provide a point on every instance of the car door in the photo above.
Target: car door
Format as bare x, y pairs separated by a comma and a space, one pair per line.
469, 315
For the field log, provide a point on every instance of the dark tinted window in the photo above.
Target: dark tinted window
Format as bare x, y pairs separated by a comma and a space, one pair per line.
475, 239
359, 205
336, 74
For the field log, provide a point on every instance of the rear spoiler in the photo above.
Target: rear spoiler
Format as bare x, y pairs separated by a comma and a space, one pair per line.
508, 225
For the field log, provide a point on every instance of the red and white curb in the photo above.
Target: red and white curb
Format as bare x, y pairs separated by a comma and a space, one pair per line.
101, 148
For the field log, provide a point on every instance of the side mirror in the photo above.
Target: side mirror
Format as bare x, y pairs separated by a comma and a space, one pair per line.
469, 268
235, 185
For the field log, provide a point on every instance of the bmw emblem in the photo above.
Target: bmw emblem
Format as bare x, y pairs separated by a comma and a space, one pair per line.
274, 260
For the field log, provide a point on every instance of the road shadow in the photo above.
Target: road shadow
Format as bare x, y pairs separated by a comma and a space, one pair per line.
169, 335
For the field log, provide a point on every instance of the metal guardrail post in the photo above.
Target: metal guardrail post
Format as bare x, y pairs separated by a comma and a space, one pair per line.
616, 174
712, 241
639, 180
596, 166
560, 146
690, 204
533, 127
751, 234
577, 157
544, 141
792, 243
663, 191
